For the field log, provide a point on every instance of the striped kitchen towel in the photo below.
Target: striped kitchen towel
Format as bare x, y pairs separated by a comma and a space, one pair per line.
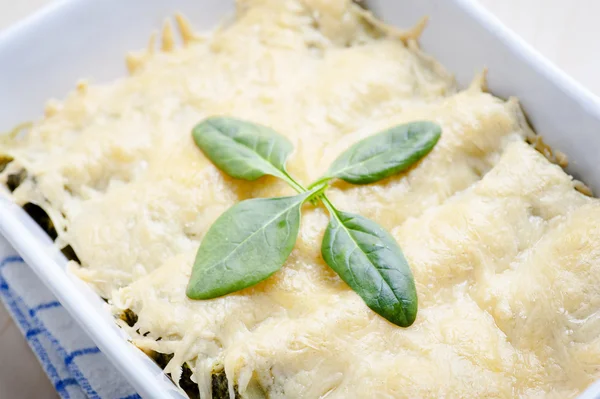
69, 357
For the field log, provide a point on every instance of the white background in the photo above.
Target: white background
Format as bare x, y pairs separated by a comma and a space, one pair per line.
565, 31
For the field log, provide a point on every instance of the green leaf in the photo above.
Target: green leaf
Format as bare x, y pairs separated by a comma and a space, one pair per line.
385, 154
242, 149
245, 245
370, 261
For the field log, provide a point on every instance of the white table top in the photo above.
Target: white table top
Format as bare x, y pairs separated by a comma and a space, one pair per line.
565, 32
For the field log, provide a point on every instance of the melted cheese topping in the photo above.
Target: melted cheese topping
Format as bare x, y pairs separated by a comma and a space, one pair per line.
503, 248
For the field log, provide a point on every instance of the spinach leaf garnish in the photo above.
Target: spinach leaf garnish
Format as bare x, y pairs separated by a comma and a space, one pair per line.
244, 150
370, 261
253, 239
245, 245
385, 154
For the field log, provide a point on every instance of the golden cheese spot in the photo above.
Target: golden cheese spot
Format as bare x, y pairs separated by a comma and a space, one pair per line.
168, 40
185, 29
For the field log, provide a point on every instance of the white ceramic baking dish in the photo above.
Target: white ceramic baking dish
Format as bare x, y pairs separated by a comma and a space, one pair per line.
43, 57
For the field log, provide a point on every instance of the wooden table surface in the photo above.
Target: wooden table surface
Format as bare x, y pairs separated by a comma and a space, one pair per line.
566, 32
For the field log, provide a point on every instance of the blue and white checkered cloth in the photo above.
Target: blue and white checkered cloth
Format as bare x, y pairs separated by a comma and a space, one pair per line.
75, 366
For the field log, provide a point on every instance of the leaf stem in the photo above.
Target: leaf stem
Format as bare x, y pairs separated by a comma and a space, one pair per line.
329, 206
317, 194
301, 189
320, 181
294, 184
